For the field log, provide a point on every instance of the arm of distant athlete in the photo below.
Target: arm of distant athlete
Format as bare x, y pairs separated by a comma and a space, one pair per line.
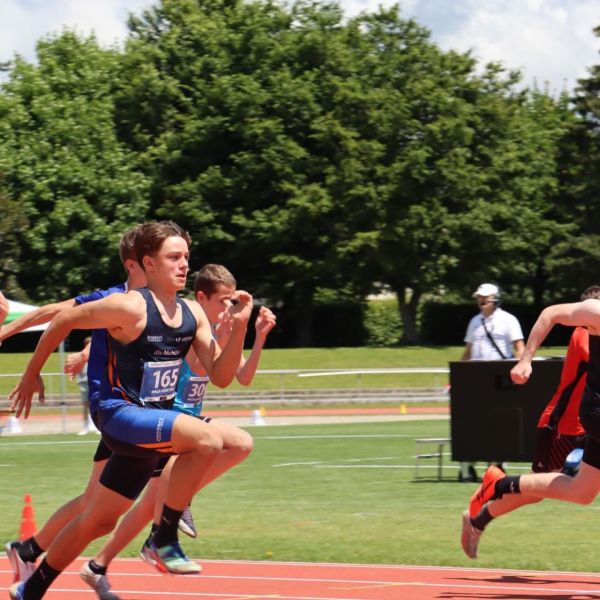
40, 315
75, 362
221, 364
584, 314
117, 313
265, 321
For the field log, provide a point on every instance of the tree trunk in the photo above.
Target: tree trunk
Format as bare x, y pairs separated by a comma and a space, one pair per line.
408, 314
304, 320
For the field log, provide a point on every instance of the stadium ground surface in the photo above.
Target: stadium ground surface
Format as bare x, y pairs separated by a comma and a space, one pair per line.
265, 580
56, 423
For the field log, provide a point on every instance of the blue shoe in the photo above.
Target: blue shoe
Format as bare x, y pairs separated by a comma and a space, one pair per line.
16, 591
146, 552
573, 462
169, 559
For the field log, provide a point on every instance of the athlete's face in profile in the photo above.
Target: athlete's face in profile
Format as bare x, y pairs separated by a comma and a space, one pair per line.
170, 263
216, 305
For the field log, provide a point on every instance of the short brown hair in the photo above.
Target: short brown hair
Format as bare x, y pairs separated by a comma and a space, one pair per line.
211, 276
591, 292
150, 237
127, 244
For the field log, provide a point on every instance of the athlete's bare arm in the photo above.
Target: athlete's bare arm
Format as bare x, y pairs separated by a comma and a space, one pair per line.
265, 321
122, 315
40, 315
583, 314
221, 364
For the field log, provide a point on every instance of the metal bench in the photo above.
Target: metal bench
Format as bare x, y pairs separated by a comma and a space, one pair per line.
436, 451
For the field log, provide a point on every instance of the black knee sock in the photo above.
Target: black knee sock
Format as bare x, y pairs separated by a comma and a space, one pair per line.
39, 582
167, 529
96, 568
507, 485
29, 550
153, 528
482, 519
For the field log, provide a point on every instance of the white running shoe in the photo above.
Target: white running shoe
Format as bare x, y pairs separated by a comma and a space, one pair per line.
470, 536
186, 523
99, 583
22, 569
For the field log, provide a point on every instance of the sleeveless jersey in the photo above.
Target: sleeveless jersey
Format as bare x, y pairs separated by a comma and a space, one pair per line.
190, 391
562, 412
99, 347
147, 369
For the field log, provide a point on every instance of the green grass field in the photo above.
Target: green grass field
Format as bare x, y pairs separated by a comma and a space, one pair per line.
315, 358
333, 492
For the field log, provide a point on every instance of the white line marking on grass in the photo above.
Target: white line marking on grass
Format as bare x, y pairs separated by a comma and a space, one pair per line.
367, 467
334, 437
296, 464
49, 443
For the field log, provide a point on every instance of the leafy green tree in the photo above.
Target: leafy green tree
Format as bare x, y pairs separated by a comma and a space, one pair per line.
13, 220
467, 177
79, 187
247, 119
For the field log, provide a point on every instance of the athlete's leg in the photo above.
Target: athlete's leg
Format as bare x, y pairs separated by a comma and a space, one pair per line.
66, 513
581, 489
23, 555
121, 482
237, 445
198, 446
136, 519
508, 503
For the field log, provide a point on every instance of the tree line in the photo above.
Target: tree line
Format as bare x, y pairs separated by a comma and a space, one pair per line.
320, 158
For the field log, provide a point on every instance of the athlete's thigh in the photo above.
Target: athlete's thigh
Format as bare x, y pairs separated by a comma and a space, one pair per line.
106, 503
189, 432
232, 435
97, 469
588, 478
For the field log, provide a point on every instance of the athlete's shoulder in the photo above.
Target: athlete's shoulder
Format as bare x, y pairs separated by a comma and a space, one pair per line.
193, 306
99, 294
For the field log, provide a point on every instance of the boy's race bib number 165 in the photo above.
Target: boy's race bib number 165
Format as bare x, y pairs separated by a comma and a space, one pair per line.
159, 381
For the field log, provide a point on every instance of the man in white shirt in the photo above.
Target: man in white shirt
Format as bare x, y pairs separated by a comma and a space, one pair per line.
493, 334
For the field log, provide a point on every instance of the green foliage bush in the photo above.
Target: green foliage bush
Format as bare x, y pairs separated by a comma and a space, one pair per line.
382, 323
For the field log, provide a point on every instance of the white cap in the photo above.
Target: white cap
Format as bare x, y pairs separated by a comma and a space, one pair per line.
486, 289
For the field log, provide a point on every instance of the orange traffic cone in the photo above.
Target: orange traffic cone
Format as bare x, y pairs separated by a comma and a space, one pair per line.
28, 526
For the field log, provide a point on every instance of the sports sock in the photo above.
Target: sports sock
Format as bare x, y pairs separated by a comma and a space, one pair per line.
39, 582
482, 519
96, 568
29, 550
167, 529
507, 485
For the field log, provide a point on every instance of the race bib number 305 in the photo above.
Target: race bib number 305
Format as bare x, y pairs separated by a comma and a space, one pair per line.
193, 391
159, 381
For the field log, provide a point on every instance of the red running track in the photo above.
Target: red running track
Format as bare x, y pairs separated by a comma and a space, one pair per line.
248, 580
